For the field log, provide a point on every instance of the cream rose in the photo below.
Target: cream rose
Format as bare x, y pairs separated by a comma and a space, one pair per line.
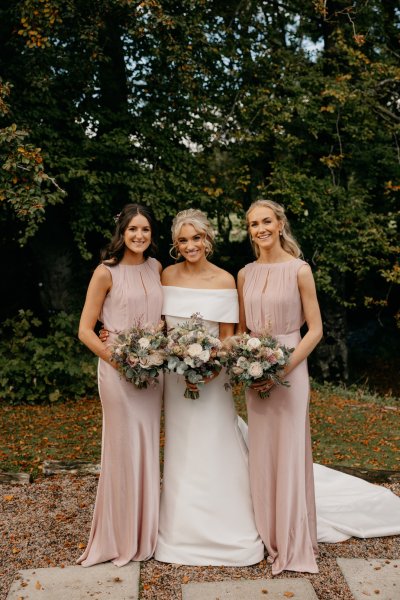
144, 343
253, 343
255, 369
156, 359
194, 350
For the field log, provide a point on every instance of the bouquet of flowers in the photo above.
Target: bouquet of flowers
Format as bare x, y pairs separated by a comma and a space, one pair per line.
140, 354
249, 359
192, 352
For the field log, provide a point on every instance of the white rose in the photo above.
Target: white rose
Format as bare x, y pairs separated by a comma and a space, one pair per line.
189, 361
278, 354
204, 355
253, 343
144, 342
194, 350
255, 370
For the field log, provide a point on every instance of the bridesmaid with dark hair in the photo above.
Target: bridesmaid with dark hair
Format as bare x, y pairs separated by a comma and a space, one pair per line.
277, 292
125, 288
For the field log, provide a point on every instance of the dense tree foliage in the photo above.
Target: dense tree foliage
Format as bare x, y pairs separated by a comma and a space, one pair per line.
208, 104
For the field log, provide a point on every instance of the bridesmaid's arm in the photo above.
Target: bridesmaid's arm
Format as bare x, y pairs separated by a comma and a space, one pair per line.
312, 316
241, 326
99, 286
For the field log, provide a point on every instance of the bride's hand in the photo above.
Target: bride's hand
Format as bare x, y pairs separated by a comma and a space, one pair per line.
193, 387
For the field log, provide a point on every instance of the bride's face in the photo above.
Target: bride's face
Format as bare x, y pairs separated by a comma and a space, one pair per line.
191, 244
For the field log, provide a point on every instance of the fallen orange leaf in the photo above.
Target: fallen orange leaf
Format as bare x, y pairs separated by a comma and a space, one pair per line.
81, 545
38, 585
185, 579
8, 497
288, 594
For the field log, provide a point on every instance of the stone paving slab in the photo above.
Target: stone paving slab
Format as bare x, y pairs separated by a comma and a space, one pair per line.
270, 589
375, 578
100, 582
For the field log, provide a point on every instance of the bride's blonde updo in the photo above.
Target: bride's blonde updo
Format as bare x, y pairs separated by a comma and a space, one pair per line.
288, 241
198, 219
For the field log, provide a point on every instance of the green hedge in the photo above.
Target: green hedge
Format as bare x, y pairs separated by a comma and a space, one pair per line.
37, 367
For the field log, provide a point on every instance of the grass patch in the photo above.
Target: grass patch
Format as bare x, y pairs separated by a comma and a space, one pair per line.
350, 426
60, 431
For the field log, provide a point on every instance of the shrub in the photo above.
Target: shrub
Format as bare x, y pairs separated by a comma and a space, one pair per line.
37, 367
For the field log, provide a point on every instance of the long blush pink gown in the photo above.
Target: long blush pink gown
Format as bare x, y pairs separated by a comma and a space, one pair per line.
280, 459
125, 520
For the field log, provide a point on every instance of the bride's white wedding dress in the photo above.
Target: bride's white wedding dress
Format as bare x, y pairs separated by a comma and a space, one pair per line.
206, 514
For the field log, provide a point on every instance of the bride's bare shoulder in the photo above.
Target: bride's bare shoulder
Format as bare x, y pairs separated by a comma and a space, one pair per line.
224, 280
169, 275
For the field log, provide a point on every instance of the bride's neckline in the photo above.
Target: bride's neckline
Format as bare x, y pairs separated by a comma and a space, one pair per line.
181, 287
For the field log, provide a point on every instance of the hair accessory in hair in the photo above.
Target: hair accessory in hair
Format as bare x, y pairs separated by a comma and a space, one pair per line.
116, 217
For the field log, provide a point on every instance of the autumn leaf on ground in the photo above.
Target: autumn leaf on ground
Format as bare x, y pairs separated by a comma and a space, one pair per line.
38, 585
8, 497
288, 594
185, 579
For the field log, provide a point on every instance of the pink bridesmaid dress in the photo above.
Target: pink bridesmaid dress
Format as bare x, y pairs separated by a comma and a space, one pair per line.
280, 459
125, 520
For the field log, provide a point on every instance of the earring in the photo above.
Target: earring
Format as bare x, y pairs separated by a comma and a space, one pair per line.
281, 233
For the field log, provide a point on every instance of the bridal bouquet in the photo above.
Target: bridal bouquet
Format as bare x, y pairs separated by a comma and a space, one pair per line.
250, 359
192, 352
140, 354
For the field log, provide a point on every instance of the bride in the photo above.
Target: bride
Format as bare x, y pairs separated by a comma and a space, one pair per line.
206, 513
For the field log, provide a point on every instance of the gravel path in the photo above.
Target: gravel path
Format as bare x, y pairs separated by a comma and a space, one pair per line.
47, 524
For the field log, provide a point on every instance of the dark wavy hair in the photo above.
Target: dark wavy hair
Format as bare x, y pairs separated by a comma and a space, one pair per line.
114, 251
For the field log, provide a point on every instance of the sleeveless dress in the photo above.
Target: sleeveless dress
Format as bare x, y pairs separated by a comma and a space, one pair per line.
206, 513
281, 472
125, 519
280, 458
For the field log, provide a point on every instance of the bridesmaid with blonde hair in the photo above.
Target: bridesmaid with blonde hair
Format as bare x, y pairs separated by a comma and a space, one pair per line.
277, 292
125, 288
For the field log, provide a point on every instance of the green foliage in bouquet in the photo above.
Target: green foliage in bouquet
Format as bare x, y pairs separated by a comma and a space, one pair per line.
37, 368
140, 355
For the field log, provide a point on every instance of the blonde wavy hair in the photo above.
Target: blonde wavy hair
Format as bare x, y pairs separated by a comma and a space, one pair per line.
288, 241
199, 220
